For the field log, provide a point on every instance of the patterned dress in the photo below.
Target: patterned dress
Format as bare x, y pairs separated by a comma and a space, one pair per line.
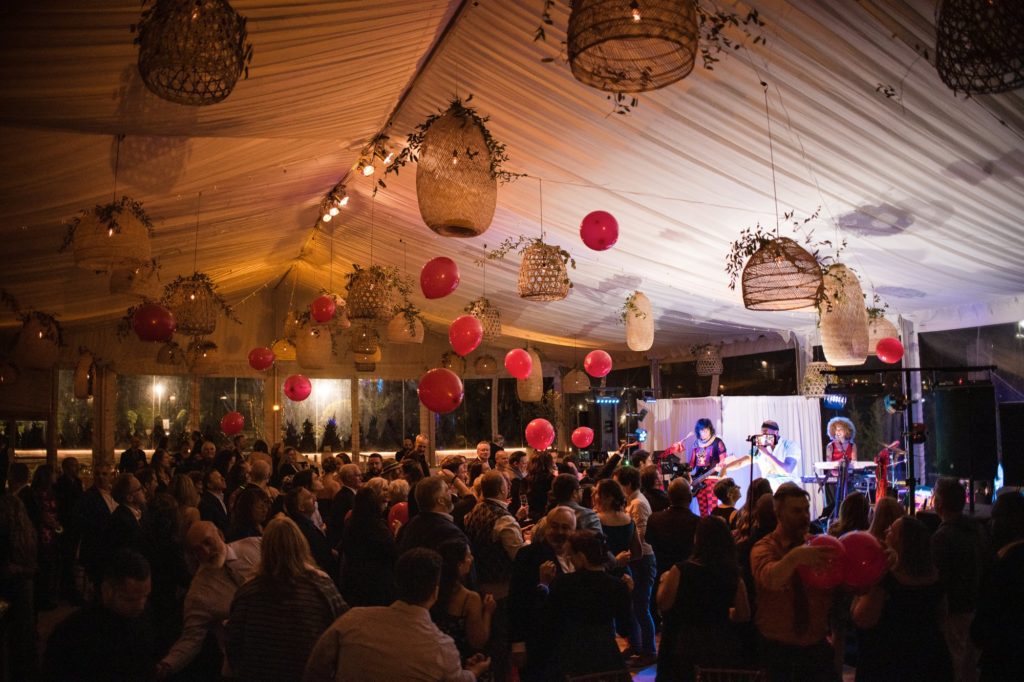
706, 455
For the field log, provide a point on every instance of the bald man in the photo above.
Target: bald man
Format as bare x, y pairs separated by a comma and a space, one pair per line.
222, 569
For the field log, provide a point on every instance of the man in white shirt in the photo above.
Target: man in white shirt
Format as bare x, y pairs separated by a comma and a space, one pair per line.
222, 570
780, 457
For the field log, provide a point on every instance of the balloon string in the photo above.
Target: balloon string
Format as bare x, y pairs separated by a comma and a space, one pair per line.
117, 162
540, 192
195, 255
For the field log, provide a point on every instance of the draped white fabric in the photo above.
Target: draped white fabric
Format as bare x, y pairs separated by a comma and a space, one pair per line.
672, 420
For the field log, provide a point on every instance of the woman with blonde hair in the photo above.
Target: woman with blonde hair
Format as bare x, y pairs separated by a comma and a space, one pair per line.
278, 615
183, 490
886, 511
398, 504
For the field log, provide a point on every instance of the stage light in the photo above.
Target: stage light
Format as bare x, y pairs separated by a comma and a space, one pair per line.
894, 403
607, 400
641, 435
649, 397
835, 401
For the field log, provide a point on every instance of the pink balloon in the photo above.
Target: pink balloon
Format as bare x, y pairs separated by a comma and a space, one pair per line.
465, 334
518, 363
599, 230
153, 322
889, 350
540, 434
439, 277
597, 363
322, 308
232, 423
865, 559
440, 390
261, 358
583, 437
297, 387
831, 574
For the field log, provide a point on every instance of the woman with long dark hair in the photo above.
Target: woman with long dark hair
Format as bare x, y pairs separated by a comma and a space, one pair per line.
540, 474
461, 613
249, 514
368, 552
745, 516
41, 504
707, 453
698, 598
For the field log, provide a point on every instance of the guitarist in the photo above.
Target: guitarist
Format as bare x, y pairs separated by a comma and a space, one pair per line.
707, 453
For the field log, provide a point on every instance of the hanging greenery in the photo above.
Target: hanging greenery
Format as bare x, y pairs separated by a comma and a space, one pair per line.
202, 280
47, 323
109, 215
629, 307
521, 243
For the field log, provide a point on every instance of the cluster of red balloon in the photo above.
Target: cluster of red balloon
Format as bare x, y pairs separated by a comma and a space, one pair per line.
540, 434
889, 350
232, 423
858, 561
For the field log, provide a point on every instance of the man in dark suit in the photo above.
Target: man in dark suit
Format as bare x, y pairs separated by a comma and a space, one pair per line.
212, 507
351, 479
68, 491
92, 515
433, 525
530, 639
670, 532
124, 531
299, 504
132, 459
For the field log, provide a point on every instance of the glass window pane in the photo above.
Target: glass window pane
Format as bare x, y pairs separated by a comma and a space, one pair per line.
220, 395
74, 416
151, 407
304, 423
388, 412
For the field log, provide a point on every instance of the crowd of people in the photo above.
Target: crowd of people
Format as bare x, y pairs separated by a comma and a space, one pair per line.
251, 564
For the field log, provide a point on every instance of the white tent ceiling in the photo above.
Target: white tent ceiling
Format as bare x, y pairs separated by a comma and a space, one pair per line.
926, 187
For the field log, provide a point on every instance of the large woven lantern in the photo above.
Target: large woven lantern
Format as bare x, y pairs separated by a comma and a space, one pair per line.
192, 51
370, 295
204, 357
709, 360
639, 322
141, 281
575, 381
401, 330
455, 187
194, 304
816, 379
367, 362
314, 346
844, 319
979, 45
880, 328
365, 340
531, 389
112, 236
632, 45
454, 362
490, 319
38, 344
781, 275
542, 274
486, 366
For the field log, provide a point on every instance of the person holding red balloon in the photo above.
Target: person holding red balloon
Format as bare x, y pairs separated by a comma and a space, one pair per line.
791, 616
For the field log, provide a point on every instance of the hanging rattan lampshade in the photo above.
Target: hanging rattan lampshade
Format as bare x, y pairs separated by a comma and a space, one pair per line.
194, 305
709, 360
8, 374
141, 281
365, 340
82, 380
880, 328
170, 354
542, 274
283, 349
781, 275
844, 319
401, 331
38, 344
192, 51
314, 346
454, 362
454, 186
632, 45
486, 366
531, 389
367, 362
979, 45
817, 377
204, 357
99, 248
490, 319
369, 296
575, 381
640, 323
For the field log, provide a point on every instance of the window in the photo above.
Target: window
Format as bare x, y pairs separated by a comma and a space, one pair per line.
220, 395
388, 412
328, 408
151, 407
470, 422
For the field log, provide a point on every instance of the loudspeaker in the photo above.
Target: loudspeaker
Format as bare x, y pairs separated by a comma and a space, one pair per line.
963, 432
1011, 427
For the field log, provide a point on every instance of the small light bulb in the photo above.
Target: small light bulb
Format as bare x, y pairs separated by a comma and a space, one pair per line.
368, 169
327, 217
110, 232
191, 297
276, 407
389, 158
635, 11
333, 211
40, 335
344, 201
455, 158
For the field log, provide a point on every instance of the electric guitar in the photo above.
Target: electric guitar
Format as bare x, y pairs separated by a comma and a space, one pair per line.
697, 484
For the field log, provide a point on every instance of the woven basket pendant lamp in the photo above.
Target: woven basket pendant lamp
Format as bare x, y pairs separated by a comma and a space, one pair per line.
365, 340
194, 306
632, 45
844, 320
575, 381
192, 51
490, 319
454, 362
542, 274
100, 249
880, 328
640, 323
816, 379
709, 360
370, 296
781, 275
38, 344
531, 389
979, 45
486, 366
455, 189
314, 346
399, 329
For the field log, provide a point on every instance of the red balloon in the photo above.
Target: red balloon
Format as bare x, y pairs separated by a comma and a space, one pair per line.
540, 434
439, 277
297, 387
465, 334
583, 437
232, 423
865, 559
153, 322
322, 308
599, 230
261, 358
597, 363
440, 390
832, 573
518, 363
889, 350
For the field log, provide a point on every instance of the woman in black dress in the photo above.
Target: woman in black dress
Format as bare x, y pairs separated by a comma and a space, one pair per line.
368, 553
901, 617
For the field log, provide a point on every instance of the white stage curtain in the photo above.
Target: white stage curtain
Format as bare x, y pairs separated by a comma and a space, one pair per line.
672, 420
799, 419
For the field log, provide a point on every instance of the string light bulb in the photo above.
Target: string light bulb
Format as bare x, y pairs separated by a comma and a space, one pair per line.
344, 201
634, 9
455, 157
333, 211
389, 158
327, 217
368, 170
